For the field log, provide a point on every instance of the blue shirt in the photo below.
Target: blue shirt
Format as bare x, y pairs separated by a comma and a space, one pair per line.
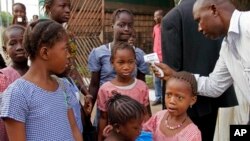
75, 102
43, 112
99, 60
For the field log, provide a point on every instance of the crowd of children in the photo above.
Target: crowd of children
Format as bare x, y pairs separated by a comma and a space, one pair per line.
42, 101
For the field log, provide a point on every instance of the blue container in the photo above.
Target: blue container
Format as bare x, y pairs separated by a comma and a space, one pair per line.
145, 136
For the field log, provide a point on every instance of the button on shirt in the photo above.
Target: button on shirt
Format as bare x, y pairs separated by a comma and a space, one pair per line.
233, 65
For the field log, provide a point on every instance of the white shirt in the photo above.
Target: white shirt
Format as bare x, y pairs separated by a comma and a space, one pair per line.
233, 65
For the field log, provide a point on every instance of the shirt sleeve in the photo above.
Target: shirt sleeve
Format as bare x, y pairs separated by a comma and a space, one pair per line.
151, 124
140, 63
70, 98
217, 82
94, 64
102, 98
146, 96
14, 104
3, 82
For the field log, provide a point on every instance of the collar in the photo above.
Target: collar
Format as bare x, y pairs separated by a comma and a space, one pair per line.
234, 23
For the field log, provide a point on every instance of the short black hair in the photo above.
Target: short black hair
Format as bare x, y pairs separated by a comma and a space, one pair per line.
18, 3
117, 13
47, 2
121, 46
4, 34
122, 108
43, 31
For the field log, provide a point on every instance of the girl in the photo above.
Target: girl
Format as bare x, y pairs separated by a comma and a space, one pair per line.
13, 48
174, 124
126, 117
123, 62
19, 14
36, 106
59, 11
99, 58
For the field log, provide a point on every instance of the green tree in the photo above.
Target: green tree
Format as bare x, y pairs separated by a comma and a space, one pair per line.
5, 18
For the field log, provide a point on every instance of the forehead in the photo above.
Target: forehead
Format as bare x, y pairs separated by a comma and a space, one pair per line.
14, 32
123, 52
157, 13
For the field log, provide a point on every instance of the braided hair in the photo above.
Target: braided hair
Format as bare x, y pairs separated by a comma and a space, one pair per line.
122, 108
187, 77
121, 46
42, 32
117, 13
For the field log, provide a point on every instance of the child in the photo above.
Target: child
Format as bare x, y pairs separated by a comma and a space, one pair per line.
13, 48
19, 14
125, 117
37, 106
99, 58
123, 62
158, 14
74, 91
174, 124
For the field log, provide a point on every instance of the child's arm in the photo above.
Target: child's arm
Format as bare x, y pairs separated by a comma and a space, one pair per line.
94, 85
149, 113
15, 129
103, 121
75, 130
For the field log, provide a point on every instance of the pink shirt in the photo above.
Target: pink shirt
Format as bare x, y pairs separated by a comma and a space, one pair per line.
157, 41
138, 91
189, 133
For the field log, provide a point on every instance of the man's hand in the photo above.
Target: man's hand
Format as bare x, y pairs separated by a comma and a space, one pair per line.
168, 72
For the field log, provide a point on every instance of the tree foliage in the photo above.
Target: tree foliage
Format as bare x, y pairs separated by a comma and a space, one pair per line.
5, 18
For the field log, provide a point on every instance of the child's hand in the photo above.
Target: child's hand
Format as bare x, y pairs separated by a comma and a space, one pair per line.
107, 130
88, 104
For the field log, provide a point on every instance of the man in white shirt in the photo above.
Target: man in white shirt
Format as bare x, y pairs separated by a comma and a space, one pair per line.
218, 18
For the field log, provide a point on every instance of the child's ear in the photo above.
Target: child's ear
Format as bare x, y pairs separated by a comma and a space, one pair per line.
44, 52
194, 99
116, 127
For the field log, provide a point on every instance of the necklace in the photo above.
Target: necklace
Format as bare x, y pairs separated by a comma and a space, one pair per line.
174, 127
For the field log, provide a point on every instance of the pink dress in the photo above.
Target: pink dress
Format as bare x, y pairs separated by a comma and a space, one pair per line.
189, 133
138, 91
7, 76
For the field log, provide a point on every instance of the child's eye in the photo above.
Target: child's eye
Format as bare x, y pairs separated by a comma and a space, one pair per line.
11, 43
168, 95
180, 98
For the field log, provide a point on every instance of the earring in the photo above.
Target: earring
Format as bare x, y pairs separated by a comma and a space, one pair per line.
190, 105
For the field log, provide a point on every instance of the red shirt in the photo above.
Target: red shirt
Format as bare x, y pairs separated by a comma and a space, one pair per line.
157, 41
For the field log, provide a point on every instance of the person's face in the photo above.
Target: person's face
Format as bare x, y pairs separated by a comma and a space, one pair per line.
157, 17
58, 56
123, 27
14, 47
178, 96
60, 11
19, 13
131, 40
209, 21
124, 63
131, 130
